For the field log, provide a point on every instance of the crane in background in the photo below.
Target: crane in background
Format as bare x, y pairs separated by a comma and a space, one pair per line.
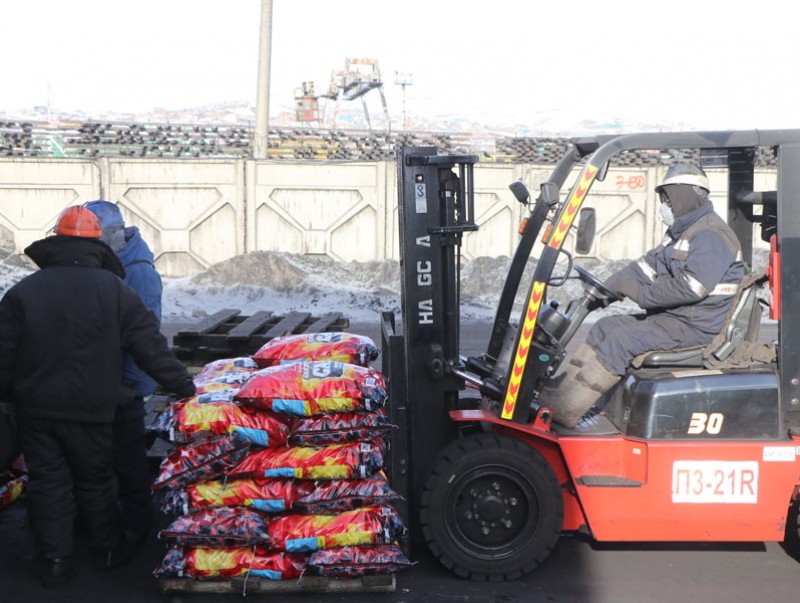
359, 77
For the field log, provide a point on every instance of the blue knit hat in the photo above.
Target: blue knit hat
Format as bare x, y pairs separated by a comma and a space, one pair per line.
108, 213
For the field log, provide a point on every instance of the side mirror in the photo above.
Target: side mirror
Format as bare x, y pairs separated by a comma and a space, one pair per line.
549, 193
520, 192
587, 225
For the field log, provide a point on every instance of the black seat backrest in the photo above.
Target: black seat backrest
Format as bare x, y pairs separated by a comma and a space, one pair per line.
742, 323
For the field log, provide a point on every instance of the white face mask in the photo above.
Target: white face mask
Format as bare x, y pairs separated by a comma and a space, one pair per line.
666, 215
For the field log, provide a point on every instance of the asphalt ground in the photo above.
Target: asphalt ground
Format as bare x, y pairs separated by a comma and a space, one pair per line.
579, 570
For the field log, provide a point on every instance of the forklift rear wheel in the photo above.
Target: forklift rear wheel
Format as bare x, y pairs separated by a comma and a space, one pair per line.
791, 541
491, 508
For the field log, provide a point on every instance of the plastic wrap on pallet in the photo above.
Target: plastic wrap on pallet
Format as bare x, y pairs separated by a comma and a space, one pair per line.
225, 563
309, 533
341, 461
200, 461
355, 561
339, 428
193, 419
268, 495
220, 526
315, 388
342, 347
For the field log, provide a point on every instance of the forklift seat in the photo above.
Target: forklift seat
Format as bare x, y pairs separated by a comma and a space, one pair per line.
741, 324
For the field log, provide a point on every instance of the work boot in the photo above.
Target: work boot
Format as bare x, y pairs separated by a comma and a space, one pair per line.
572, 393
135, 538
56, 572
106, 560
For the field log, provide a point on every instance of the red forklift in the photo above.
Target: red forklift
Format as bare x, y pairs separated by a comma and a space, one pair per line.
684, 450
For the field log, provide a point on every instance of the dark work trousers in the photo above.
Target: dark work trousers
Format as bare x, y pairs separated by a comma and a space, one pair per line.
131, 467
619, 339
69, 468
9, 446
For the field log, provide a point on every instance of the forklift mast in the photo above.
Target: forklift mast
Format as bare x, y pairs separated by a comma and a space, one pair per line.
436, 208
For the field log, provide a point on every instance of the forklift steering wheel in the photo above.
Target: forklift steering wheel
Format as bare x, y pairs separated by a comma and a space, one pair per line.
593, 282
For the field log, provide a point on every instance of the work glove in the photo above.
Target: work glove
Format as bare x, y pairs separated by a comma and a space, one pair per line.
186, 389
623, 285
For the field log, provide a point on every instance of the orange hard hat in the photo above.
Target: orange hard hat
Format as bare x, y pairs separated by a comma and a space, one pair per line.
77, 221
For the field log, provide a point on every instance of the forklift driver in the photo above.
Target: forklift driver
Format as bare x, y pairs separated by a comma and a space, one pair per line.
685, 285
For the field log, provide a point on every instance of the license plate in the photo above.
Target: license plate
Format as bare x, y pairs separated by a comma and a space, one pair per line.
715, 482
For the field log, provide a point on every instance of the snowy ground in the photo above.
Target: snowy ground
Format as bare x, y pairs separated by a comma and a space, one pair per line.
360, 290
282, 282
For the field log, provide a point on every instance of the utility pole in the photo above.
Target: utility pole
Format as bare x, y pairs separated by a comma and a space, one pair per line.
403, 80
262, 95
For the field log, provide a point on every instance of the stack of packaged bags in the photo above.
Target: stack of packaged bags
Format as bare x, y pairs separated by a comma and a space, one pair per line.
278, 467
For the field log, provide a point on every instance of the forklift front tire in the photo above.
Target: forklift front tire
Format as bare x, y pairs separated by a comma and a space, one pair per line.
491, 508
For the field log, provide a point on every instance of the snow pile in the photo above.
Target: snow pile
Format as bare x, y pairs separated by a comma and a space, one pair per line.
284, 282
10, 274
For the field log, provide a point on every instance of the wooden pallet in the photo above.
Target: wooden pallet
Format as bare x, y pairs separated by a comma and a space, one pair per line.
306, 584
227, 334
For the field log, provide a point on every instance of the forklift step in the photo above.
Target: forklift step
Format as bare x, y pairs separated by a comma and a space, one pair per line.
607, 481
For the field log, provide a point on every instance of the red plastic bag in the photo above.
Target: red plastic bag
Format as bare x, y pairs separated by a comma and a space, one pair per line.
220, 526
228, 379
356, 561
202, 460
166, 421
338, 428
225, 563
11, 487
341, 461
335, 496
193, 419
226, 365
342, 347
314, 388
265, 495
309, 533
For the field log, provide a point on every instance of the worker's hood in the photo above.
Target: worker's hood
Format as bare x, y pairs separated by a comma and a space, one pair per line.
684, 198
61, 250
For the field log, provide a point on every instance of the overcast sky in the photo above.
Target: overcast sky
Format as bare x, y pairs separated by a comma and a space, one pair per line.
708, 64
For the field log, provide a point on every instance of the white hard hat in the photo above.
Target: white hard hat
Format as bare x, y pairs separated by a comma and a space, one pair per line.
685, 173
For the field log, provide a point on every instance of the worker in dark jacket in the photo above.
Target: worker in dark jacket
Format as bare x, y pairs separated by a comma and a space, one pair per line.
685, 285
130, 449
8, 439
65, 328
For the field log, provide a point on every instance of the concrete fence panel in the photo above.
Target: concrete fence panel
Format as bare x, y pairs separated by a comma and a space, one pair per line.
190, 212
497, 213
33, 193
195, 213
332, 209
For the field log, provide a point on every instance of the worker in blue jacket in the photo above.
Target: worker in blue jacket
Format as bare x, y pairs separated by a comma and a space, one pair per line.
130, 450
